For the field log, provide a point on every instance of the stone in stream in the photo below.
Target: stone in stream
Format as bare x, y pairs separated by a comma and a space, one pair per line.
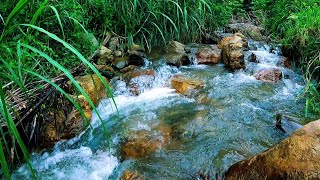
209, 55
173, 54
136, 55
67, 123
105, 56
183, 85
269, 75
120, 63
297, 157
142, 143
106, 71
253, 58
249, 30
232, 51
138, 72
130, 175
285, 62
131, 76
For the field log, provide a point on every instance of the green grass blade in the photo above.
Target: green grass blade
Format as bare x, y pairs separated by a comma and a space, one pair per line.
4, 164
59, 19
38, 12
79, 55
2, 19
13, 130
20, 5
158, 28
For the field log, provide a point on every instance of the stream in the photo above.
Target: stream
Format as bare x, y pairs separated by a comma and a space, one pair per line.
232, 118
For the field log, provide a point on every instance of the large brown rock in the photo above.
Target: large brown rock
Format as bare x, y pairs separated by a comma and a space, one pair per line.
250, 30
142, 143
67, 122
297, 157
269, 75
183, 85
173, 54
232, 51
209, 55
175, 47
176, 54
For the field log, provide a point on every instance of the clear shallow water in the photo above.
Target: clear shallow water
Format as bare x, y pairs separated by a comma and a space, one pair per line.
230, 119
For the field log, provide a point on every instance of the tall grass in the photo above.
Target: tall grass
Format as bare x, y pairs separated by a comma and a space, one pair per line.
150, 22
23, 69
297, 25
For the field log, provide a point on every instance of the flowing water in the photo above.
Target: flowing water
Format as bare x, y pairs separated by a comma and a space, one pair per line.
230, 119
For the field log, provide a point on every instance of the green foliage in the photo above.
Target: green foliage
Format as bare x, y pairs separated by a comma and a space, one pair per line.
27, 54
150, 22
297, 24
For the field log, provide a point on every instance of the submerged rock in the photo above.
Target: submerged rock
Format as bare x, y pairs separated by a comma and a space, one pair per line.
232, 51
183, 85
269, 75
142, 143
138, 72
130, 175
297, 157
209, 55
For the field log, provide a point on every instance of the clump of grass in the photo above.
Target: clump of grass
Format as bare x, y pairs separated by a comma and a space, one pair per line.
23, 69
297, 25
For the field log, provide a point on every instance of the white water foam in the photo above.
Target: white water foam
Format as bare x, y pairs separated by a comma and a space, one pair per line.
56, 165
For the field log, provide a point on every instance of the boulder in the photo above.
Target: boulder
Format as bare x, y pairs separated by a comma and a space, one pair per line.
209, 55
176, 59
66, 121
249, 30
232, 51
175, 47
183, 85
174, 54
297, 157
142, 143
269, 75
284, 62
